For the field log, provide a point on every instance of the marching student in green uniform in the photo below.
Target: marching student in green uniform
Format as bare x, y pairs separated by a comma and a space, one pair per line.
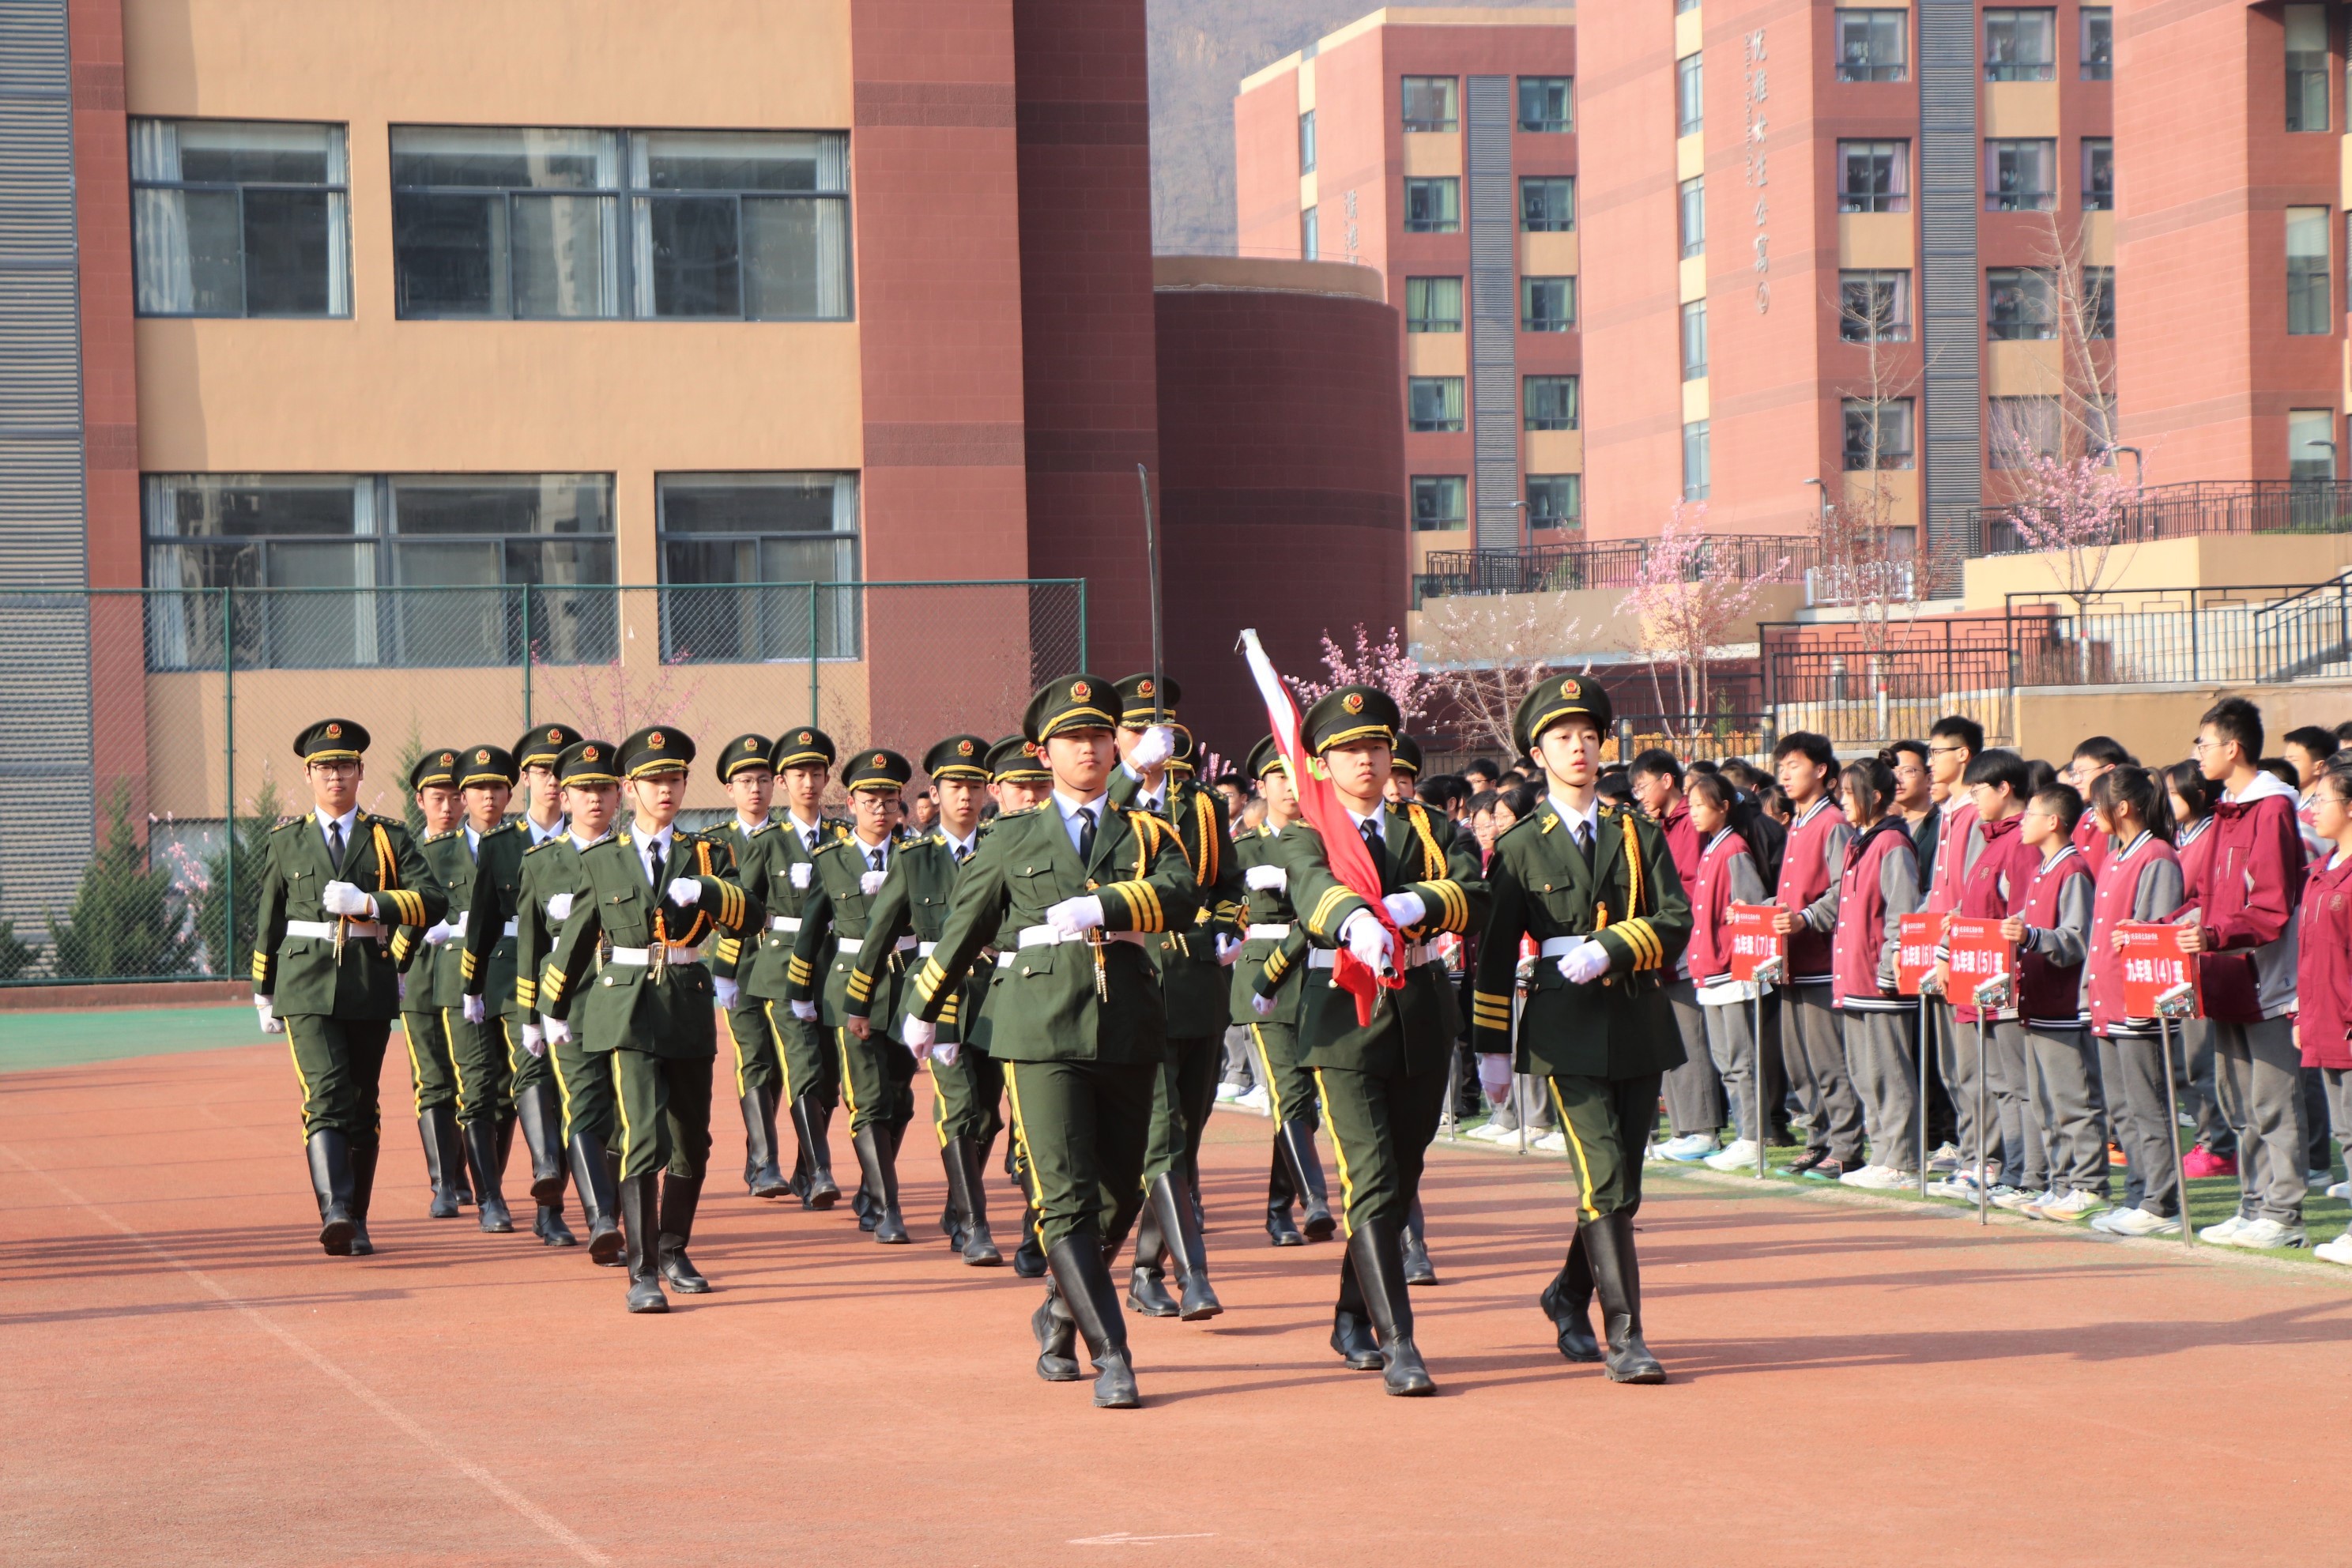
966, 1084
654, 896
1404, 779
1268, 978
1155, 777
338, 880
1017, 780
1404, 770
1595, 886
876, 1072
1382, 1084
749, 779
588, 776
774, 869
433, 781
488, 927
1071, 891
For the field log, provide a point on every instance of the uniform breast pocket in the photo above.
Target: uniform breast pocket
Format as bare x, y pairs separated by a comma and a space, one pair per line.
1035, 961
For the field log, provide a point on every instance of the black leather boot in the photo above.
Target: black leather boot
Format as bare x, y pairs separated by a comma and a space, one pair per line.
1568, 1302
1380, 1270
1179, 1225
1617, 1280
505, 1140
599, 1202
1306, 1177
881, 1177
542, 1115
364, 1156
1029, 1259
640, 1222
679, 1196
968, 1190
437, 1128
762, 1173
1057, 1338
549, 1225
811, 1119
482, 1151
1418, 1269
1145, 1291
1351, 1325
331, 1182
1279, 1230
1084, 1282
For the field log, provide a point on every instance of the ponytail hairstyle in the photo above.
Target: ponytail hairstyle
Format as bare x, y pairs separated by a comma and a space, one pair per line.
2129, 784
1739, 813
2187, 781
1873, 781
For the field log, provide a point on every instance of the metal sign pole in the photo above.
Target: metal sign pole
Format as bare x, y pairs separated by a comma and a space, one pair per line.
1756, 1076
1984, 1197
1923, 1094
2172, 1125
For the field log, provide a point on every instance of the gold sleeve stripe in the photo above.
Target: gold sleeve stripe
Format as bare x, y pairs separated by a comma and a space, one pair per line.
926, 983
551, 983
947, 1014
861, 986
401, 944
1143, 907
1651, 950
1277, 964
260, 967
1319, 923
526, 994
1498, 998
731, 949
798, 970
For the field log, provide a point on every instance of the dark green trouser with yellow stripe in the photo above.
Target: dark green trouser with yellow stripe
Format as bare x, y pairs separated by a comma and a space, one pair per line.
878, 1078
428, 1061
339, 1062
965, 1095
479, 1060
1289, 1082
1081, 1128
745, 1024
584, 1082
523, 1069
804, 1054
1181, 1104
1607, 1123
1379, 1125
664, 1108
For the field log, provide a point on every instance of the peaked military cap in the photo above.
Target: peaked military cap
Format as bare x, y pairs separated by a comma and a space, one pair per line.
588, 762
744, 752
487, 764
801, 748
1135, 694
1406, 755
1015, 760
1069, 703
332, 740
657, 749
540, 746
436, 768
958, 757
1561, 697
878, 769
1266, 757
1351, 713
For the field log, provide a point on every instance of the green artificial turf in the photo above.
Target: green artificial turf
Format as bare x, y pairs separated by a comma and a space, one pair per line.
70, 1038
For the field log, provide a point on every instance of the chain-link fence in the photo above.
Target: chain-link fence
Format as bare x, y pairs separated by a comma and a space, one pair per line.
147, 736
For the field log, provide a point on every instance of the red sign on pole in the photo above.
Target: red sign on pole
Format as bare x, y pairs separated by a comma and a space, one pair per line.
2154, 964
1753, 943
1916, 955
1978, 953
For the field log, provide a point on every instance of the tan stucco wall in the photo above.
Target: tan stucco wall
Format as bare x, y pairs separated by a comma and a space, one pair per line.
2156, 723
2209, 561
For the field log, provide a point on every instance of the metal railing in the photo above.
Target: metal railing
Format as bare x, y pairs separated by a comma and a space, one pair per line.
1601, 564
2188, 511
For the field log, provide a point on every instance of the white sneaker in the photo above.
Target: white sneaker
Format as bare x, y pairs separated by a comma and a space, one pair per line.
2317, 1181
2256, 1234
1943, 1158
2225, 1233
2135, 1222
1878, 1179
2337, 1251
1957, 1186
1552, 1142
1688, 1149
1227, 1092
2340, 1189
1490, 1131
1740, 1156
1256, 1100
2071, 1207
2017, 1201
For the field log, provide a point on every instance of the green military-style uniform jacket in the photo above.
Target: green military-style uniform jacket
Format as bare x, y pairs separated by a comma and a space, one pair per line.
488, 958
916, 895
622, 1004
298, 969
437, 980
1272, 958
1416, 1026
1190, 977
1043, 1003
837, 914
761, 961
1630, 899
548, 868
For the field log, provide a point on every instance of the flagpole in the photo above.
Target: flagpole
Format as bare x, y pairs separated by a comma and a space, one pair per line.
1151, 563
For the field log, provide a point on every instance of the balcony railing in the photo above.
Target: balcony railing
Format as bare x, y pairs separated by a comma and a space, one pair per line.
1601, 564
2188, 511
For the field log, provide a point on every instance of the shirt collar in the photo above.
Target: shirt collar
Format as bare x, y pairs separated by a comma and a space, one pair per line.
579, 843
348, 821
473, 839
955, 844
541, 835
1070, 808
1590, 817
749, 828
1378, 814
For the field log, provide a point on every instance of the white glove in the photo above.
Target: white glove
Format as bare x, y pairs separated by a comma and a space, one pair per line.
343, 898
685, 891
1495, 1078
269, 1024
1584, 964
559, 907
919, 1035
1261, 1006
804, 1011
1227, 950
434, 935
556, 1032
871, 882
1405, 909
1364, 937
476, 1012
1266, 878
726, 989
1158, 745
1074, 917
534, 1039
945, 1053
801, 869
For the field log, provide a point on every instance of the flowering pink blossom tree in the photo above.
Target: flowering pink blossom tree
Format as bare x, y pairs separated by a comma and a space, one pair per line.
2068, 512
1387, 666
611, 700
1686, 601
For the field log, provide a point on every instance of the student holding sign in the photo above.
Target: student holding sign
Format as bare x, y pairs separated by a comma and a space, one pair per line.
1728, 873
1810, 1041
2139, 882
2323, 987
1879, 886
2053, 933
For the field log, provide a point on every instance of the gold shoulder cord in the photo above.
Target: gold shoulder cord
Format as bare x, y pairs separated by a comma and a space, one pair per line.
1433, 859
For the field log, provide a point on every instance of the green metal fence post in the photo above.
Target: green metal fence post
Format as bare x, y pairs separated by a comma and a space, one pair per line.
227, 960
813, 714
526, 656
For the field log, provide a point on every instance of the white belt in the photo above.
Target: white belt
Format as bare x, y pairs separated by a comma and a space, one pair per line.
464, 915
1046, 936
642, 956
852, 944
1561, 946
1415, 955
924, 949
510, 929
784, 922
326, 928
1265, 932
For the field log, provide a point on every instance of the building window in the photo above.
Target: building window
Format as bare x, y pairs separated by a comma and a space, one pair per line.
720, 531
1874, 46
1697, 467
1433, 206
1440, 502
1307, 142
1546, 304
2020, 176
2098, 43
1875, 307
2306, 68
237, 218
2099, 301
2308, 313
2098, 173
2310, 444
1431, 103
1693, 215
1548, 402
2023, 429
1547, 104
1433, 304
1683, 5
1548, 204
2021, 46
492, 223
1433, 402
2020, 302
1877, 432
1555, 500
1690, 96
1873, 176
1695, 340
1310, 242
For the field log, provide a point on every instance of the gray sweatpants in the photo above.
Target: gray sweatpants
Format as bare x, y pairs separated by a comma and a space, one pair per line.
2062, 1067
1882, 1053
2132, 1073
2258, 1076
1813, 1046
2198, 1096
1693, 1090
1731, 1043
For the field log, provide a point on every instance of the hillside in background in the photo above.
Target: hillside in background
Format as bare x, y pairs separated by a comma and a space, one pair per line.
1201, 49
